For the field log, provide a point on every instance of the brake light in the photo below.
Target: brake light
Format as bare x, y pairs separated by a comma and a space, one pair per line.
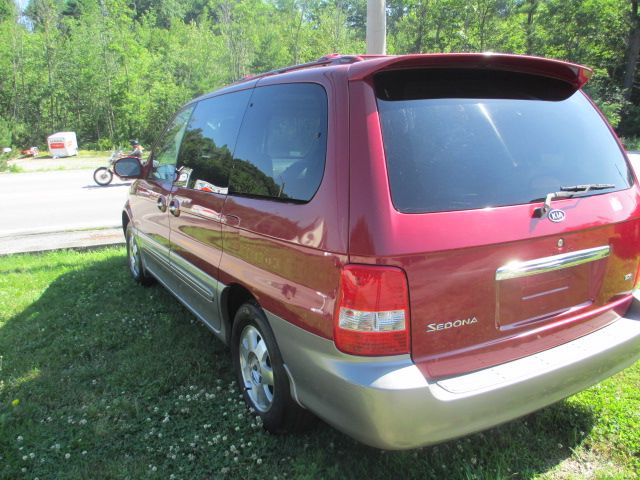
372, 312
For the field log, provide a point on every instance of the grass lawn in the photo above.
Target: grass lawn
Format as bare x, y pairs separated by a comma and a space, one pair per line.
101, 378
85, 160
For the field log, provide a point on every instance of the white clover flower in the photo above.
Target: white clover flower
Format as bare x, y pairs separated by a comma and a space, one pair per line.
19, 438
67, 456
32, 455
259, 461
24, 457
84, 452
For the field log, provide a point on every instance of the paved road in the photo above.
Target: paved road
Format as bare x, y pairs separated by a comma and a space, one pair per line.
56, 201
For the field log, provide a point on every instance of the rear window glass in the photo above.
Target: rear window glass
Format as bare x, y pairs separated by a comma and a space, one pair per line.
460, 140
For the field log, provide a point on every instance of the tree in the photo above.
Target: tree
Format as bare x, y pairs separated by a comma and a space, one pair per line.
633, 50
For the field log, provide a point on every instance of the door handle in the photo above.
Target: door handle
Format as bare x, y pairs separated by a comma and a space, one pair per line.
161, 203
174, 207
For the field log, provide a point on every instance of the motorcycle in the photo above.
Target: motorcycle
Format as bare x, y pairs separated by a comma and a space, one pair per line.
103, 176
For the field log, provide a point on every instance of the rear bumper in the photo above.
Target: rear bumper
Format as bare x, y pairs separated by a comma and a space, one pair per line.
387, 403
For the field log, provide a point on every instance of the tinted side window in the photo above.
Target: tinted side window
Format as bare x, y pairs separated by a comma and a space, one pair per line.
282, 144
166, 151
205, 158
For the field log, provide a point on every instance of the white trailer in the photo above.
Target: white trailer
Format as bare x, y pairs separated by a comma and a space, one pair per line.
63, 144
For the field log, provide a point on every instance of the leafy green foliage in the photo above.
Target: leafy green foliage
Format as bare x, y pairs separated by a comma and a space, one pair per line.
113, 70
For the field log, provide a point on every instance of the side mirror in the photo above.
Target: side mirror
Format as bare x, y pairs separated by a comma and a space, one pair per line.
128, 167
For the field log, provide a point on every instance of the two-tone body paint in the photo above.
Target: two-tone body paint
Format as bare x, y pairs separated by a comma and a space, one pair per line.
289, 257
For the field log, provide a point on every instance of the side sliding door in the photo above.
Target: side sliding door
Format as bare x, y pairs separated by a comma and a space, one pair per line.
200, 190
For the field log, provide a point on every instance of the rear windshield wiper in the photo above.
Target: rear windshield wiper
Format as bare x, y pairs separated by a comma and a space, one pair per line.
567, 192
586, 187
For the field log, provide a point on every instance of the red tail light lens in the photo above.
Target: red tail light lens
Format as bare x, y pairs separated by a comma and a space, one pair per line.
372, 313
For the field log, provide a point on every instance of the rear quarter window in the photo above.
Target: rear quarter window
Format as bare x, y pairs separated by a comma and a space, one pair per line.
282, 143
460, 140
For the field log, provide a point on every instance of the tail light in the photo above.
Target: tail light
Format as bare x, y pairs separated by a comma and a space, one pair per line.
372, 312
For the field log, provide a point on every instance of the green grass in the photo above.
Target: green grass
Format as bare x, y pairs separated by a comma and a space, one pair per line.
101, 378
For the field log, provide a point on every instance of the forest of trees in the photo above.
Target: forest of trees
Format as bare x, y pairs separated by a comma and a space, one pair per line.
111, 70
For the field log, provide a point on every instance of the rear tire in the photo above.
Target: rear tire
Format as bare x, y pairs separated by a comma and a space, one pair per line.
102, 176
261, 375
134, 259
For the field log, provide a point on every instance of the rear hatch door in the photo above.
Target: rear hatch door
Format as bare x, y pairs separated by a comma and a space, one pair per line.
494, 274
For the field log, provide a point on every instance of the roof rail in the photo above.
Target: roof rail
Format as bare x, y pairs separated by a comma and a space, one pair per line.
330, 59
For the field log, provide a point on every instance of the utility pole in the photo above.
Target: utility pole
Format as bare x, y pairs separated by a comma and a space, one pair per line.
376, 27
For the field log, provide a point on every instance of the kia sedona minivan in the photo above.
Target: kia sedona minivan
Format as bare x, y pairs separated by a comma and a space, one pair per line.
412, 248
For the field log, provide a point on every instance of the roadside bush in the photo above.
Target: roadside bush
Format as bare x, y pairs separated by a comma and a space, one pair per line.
5, 134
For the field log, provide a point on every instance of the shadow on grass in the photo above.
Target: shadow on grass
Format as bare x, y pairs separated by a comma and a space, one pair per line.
114, 380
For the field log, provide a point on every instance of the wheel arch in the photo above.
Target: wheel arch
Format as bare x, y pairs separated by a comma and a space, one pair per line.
126, 218
231, 299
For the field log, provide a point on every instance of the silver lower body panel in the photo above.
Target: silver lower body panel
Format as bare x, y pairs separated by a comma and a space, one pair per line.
387, 403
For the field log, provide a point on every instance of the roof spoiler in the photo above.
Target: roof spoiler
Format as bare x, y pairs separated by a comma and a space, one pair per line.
571, 73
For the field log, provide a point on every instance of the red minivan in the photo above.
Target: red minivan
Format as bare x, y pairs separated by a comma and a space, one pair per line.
412, 248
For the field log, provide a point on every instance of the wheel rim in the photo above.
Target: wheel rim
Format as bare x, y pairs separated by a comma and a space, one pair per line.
103, 176
134, 257
255, 365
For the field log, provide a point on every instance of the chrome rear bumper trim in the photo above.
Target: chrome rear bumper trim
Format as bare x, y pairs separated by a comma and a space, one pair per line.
550, 264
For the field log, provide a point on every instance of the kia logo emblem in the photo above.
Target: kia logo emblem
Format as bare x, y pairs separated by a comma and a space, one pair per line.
557, 216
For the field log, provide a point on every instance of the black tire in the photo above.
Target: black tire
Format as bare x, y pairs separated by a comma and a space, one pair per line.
102, 176
134, 259
279, 412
